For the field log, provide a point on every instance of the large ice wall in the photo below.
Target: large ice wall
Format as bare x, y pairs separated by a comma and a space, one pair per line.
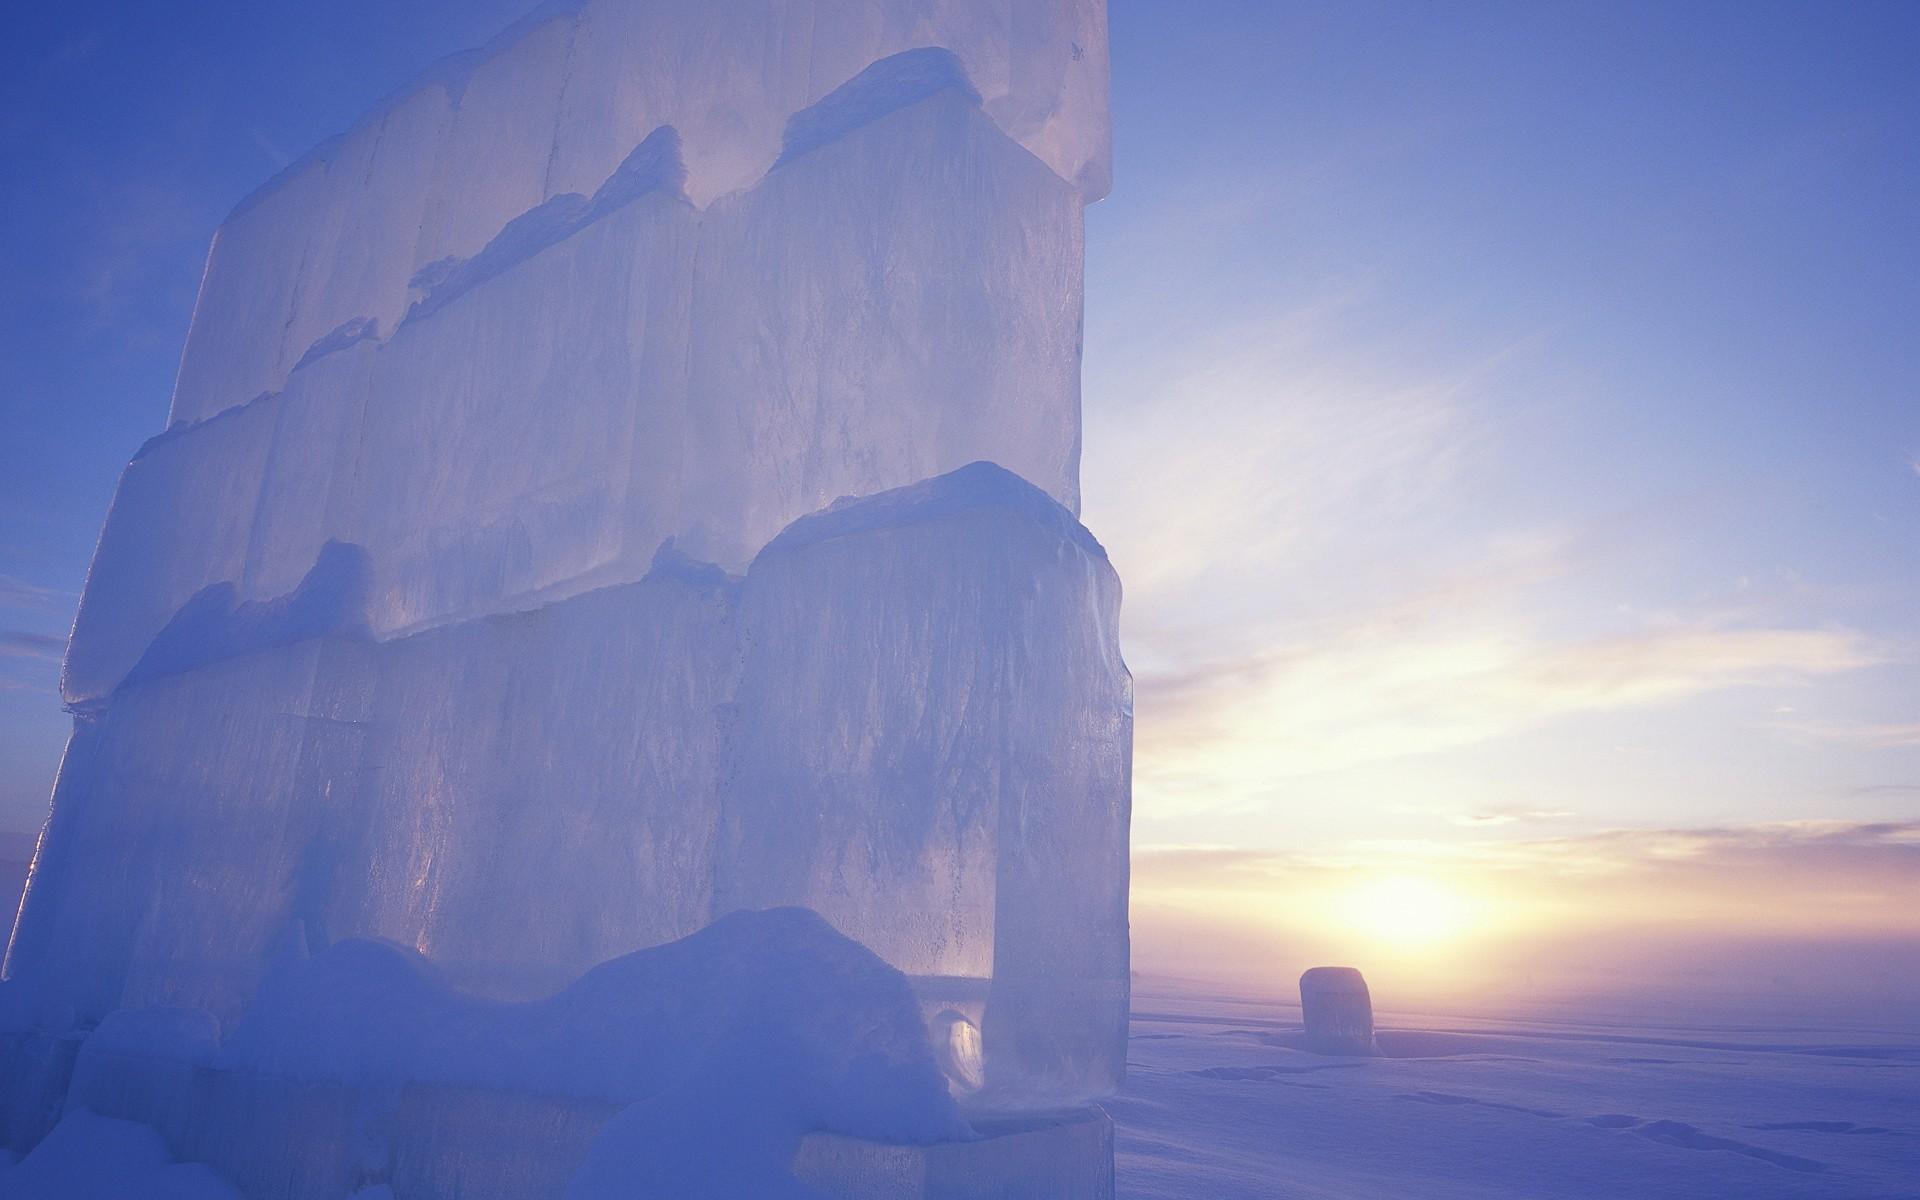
910, 715
580, 520
553, 105
900, 296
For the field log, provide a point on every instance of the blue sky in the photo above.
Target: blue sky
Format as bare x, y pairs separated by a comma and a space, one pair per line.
1575, 343
128, 131
1506, 417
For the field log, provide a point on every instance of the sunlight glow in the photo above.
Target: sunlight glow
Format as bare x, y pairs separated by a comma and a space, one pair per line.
1406, 912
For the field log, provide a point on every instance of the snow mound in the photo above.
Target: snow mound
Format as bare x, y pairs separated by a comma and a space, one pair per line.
89, 1157
671, 562
217, 625
523, 237
343, 335
656, 164
887, 86
977, 485
653, 166
774, 1003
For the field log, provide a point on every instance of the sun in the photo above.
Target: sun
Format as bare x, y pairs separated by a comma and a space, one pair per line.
1407, 913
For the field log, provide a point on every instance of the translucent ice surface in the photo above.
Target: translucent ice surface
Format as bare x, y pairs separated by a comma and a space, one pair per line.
554, 104
629, 479
933, 731
910, 715
899, 297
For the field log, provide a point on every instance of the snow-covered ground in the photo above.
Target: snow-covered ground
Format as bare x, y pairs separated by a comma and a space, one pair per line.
1221, 1103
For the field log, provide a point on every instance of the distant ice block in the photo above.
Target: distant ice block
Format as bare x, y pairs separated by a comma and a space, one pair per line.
553, 105
1337, 1010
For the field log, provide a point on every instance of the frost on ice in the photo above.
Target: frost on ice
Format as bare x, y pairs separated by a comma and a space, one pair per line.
626, 483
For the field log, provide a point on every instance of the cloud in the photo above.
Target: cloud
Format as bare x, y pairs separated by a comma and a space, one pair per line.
18, 593
1316, 480
1770, 845
1871, 735
1885, 789
1394, 684
278, 157
1506, 816
1362, 564
1287, 447
16, 643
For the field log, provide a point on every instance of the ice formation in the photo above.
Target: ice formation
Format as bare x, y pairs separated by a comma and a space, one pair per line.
909, 715
898, 300
629, 478
1337, 1010
553, 105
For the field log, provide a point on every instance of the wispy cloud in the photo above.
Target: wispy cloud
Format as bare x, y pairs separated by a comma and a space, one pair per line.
1340, 583
1885, 789
1385, 688
19, 593
1869, 734
17, 643
1283, 452
280, 158
1488, 818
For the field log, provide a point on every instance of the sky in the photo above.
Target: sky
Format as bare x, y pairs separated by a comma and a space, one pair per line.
1505, 419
